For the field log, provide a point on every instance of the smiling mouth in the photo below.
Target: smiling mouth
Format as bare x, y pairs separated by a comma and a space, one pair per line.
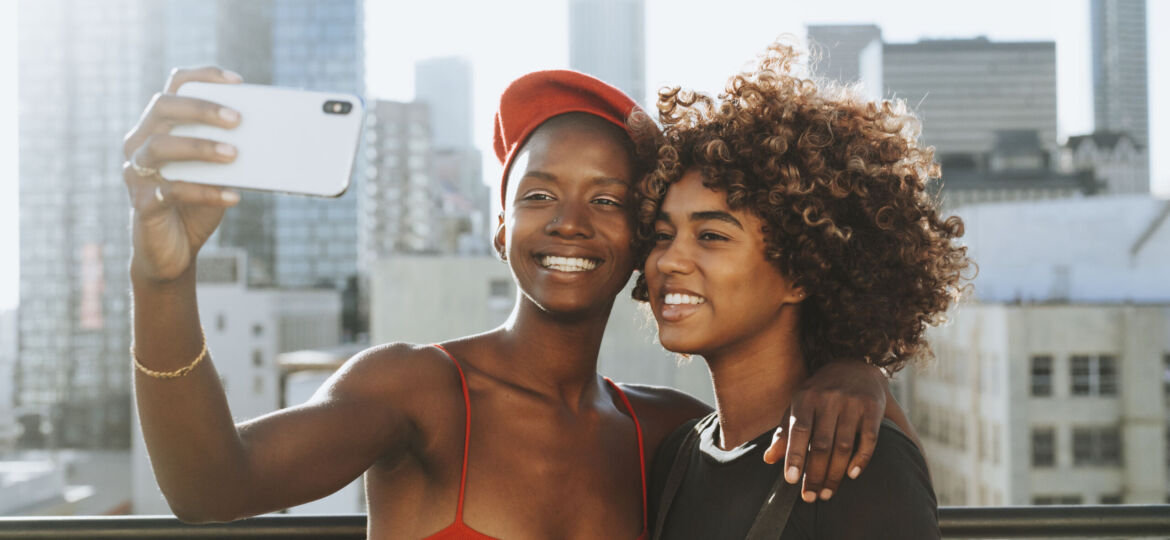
678, 306
568, 264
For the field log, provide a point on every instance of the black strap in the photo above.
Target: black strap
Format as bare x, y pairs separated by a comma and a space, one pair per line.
773, 515
774, 511
678, 470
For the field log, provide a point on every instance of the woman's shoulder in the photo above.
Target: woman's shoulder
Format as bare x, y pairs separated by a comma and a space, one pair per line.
892, 494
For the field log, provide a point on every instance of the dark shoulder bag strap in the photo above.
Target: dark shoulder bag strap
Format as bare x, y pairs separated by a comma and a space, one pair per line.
678, 470
773, 515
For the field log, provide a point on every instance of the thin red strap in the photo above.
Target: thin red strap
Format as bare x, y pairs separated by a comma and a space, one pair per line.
641, 451
467, 434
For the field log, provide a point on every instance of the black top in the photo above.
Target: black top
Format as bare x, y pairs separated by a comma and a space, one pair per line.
723, 490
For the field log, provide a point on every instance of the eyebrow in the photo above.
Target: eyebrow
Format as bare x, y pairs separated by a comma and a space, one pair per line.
706, 215
599, 180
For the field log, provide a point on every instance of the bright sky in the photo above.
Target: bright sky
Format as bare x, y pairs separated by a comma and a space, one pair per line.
688, 42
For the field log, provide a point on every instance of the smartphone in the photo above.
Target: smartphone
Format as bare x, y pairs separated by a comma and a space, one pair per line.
288, 140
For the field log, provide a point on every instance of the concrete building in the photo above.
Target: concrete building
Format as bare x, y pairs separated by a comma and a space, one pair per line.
1047, 404
1018, 168
399, 211
246, 329
1120, 81
74, 316
467, 295
607, 39
849, 54
445, 86
1050, 387
966, 90
9, 428
1108, 249
1114, 157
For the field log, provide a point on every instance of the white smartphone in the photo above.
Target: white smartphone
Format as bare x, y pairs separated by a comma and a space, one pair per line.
288, 140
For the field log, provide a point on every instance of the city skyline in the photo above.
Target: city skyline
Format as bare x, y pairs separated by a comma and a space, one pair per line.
702, 65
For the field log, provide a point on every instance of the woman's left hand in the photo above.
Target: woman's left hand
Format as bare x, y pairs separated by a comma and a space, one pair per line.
843, 402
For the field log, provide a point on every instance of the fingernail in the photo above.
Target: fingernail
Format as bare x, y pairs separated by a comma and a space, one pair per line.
808, 496
792, 475
225, 150
232, 76
230, 196
854, 472
229, 115
825, 494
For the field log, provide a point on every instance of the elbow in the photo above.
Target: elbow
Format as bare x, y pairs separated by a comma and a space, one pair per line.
203, 508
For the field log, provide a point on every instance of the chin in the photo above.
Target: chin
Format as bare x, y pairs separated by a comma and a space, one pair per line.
678, 341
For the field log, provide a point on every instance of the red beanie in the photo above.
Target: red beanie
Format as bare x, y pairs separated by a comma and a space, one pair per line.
538, 96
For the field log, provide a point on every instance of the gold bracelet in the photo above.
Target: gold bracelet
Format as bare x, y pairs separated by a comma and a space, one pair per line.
171, 374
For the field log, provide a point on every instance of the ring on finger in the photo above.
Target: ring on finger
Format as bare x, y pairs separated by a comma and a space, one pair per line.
158, 194
142, 170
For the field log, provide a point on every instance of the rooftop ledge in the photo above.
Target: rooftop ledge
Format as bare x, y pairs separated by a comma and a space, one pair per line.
1086, 521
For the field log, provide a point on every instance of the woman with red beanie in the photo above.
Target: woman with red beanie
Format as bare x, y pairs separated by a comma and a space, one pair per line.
510, 433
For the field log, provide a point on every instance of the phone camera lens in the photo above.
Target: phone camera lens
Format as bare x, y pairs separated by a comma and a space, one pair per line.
337, 107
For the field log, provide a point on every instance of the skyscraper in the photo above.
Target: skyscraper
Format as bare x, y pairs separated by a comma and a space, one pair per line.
849, 54
607, 39
1120, 85
966, 91
291, 241
318, 45
86, 70
445, 86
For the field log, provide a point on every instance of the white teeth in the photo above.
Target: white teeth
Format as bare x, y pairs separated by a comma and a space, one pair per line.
678, 298
568, 264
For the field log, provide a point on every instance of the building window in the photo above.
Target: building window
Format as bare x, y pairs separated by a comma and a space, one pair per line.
1043, 447
1166, 378
1094, 375
1112, 498
1107, 375
257, 329
220, 322
1097, 447
1042, 376
257, 358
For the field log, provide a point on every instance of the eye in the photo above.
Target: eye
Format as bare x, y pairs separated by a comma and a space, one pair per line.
662, 236
608, 201
538, 196
712, 237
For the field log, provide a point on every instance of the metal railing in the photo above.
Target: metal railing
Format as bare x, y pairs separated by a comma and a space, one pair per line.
1112, 521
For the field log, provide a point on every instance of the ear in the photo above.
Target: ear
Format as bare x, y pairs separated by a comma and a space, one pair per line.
498, 238
795, 295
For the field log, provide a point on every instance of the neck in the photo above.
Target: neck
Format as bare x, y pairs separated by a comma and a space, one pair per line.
551, 354
754, 382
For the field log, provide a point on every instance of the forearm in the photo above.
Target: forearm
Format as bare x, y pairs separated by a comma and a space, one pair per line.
192, 440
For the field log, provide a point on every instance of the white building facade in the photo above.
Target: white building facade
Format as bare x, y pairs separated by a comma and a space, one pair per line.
1052, 385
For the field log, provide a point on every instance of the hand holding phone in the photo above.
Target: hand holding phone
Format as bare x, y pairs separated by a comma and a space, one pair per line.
289, 141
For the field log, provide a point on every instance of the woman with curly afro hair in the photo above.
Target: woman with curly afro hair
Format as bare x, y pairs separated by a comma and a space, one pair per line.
788, 223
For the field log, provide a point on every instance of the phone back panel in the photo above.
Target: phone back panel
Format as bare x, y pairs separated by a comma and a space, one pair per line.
286, 141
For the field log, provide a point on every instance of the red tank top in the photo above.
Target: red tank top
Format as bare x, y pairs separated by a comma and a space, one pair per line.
459, 530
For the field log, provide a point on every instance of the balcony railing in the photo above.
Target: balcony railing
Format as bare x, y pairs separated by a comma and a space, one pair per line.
1128, 521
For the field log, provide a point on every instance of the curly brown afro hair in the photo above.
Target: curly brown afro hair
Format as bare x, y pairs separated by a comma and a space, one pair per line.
841, 185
